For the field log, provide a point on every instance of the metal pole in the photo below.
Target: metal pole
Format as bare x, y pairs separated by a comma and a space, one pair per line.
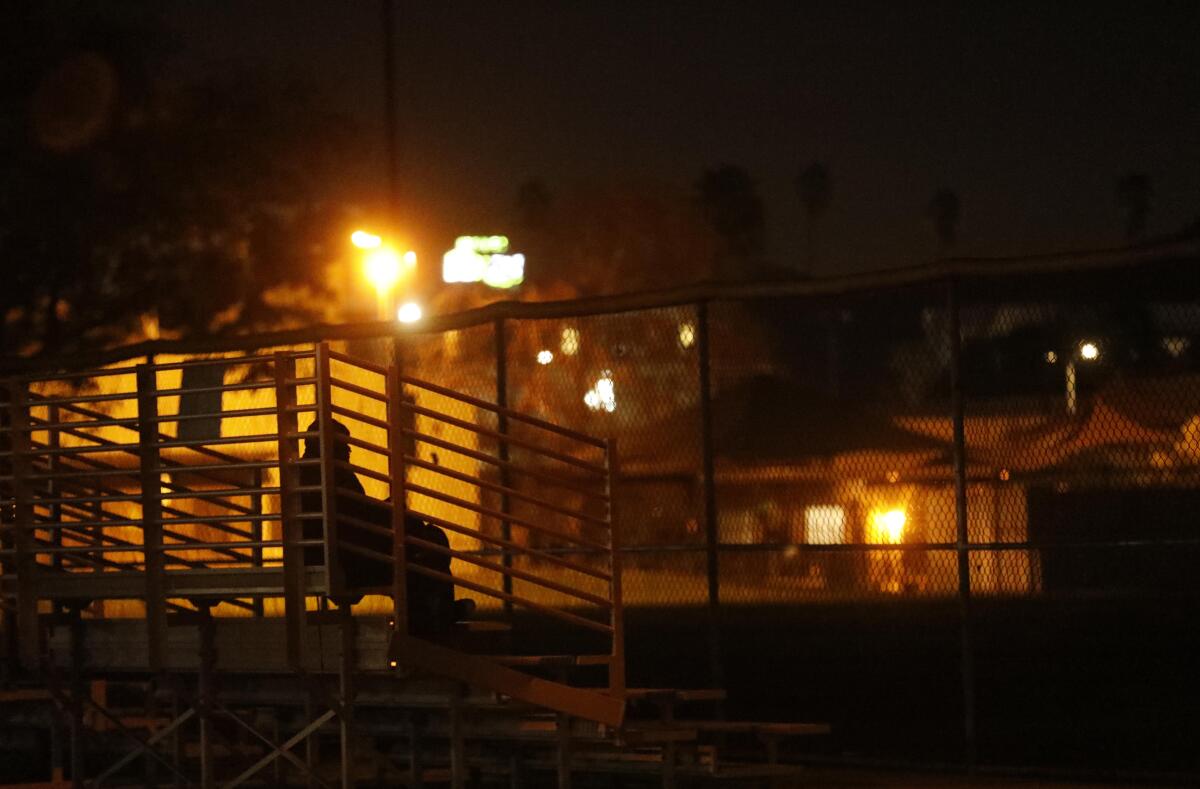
501, 346
962, 543
206, 694
150, 482
389, 110
711, 532
346, 691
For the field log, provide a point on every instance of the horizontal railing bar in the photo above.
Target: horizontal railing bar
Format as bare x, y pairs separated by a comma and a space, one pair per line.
212, 519
515, 442
110, 499
350, 360
512, 546
356, 389
511, 466
515, 415
481, 589
68, 451
37, 425
253, 438
97, 373
86, 549
366, 420
501, 516
232, 361
207, 494
240, 465
220, 546
241, 412
364, 444
104, 524
516, 494
510, 571
376, 475
247, 386
98, 398
58, 475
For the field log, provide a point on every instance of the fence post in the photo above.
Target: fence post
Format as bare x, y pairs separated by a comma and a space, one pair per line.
28, 632
962, 539
396, 443
335, 582
711, 531
501, 345
150, 482
291, 531
616, 667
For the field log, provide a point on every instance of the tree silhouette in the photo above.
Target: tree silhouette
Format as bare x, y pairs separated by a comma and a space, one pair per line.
731, 206
128, 195
943, 213
814, 188
1133, 197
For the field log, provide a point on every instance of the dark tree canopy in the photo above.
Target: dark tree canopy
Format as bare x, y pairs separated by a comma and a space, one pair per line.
1133, 198
732, 207
943, 212
125, 197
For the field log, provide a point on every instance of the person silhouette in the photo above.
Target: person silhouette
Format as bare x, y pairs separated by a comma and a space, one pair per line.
431, 605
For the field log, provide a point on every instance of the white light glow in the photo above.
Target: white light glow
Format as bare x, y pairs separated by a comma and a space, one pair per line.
890, 525
570, 341
504, 271
409, 312
602, 396
364, 240
825, 524
545, 357
687, 334
1089, 351
382, 267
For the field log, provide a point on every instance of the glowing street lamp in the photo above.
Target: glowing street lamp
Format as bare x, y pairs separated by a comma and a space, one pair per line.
1087, 351
409, 312
383, 267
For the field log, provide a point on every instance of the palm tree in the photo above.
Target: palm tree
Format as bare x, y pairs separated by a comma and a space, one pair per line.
1133, 197
814, 187
943, 212
731, 206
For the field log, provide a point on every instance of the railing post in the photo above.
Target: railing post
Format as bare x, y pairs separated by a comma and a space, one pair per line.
711, 530
28, 637
501, 344
396, 443
257, 529
150, 482
962, 541
290, 528
616, 668
335, 582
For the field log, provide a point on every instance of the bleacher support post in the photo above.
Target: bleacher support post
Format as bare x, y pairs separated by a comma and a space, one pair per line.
150, 484
616, 667
291, 531
336, 581
395, 392
28, 634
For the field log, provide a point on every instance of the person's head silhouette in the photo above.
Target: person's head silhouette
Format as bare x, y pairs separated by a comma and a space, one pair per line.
312, 444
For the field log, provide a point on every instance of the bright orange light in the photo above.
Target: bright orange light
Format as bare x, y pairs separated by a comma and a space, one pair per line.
409, 312
364, 240
889, 525
382, 267
410, 260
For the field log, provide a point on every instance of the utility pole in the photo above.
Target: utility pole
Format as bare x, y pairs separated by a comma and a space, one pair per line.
389, 112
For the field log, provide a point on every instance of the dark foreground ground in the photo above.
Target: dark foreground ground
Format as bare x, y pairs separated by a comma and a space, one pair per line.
1084, 687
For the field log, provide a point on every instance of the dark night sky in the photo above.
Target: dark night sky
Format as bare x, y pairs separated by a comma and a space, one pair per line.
1029, 110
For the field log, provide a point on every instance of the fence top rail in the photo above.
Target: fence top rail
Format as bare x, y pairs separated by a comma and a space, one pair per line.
508, 412
935, 271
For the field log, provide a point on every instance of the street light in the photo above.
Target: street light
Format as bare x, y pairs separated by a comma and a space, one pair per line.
1088, 351
383, 267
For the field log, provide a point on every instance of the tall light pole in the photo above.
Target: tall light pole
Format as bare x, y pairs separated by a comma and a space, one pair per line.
389, 110
1086, 351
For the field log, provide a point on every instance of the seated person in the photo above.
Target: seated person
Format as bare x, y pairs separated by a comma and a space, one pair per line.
431, 604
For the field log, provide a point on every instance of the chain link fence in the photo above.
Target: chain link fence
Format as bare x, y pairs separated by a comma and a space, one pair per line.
955, 516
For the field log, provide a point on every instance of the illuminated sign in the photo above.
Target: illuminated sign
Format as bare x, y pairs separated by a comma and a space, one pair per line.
483, 259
